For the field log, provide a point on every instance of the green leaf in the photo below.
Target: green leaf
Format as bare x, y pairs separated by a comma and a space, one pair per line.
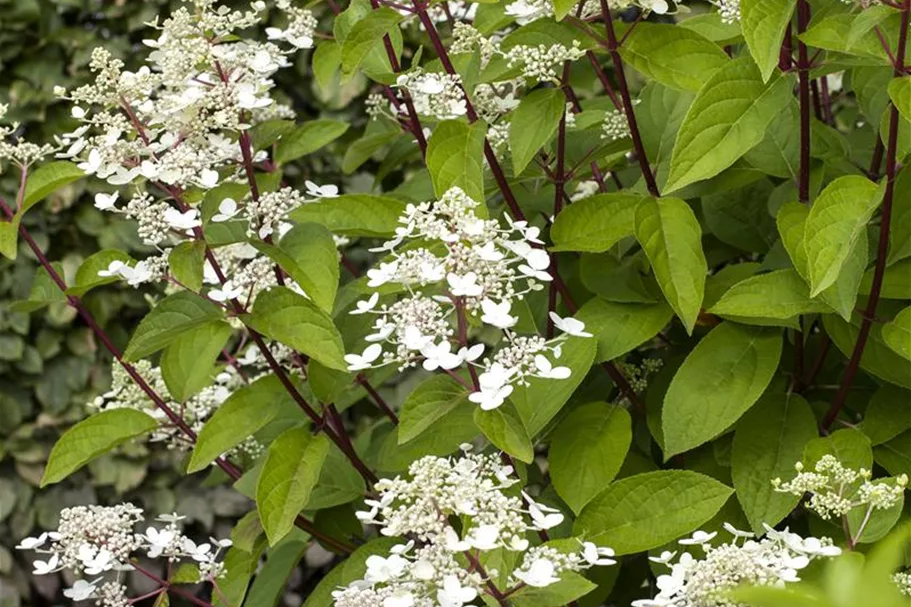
327, 59
835, 223
285, 316
44, 291
92, 437
533, 124
503, 427
887, 414
721, 378
570, 587
900, 226
268, 132
763, 23
339, 483
781, 294
648, 510
728, 117
597, 223
896, 281
900, 94
428, 403
9, 233
670, 234
367, 35
361, 150
47, 179
849, 446
897, 334
269, 586
188, 363
87, 277
168, 320
443, 438
587, 450
240, 566
455, 157
768, 441
291, 470
878, 358
561, 9
308, 254
542, 399
622, 327
352, 568
769, 596
353, 214
244, 412
674, 56
186, 262
308, 138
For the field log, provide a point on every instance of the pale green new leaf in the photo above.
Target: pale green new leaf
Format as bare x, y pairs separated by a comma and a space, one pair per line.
721, 378
533, 124
570, 587
836, 221
87, 277
168, 320
728, 117
291, 470
781, 294
244, 412
622, 327
366, 35
764, 23
188, 363
353, 214
900, 94
455, 157
307, 138
186, 262
285, 316
46, 179
93, 437
897, 334
670, 234
768, 441
648, 510
428, 403
674, 56
587, 450
597, 223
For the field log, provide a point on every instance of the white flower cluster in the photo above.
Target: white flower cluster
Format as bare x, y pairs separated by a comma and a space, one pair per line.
526, 11
21, 153
428, 571
434, 94
542, 63
773, 560
902, 579
728, 10
98, 544
125, 394
468, 266
835, 490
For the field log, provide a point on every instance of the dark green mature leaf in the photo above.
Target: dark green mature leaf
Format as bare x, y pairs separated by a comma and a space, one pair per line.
597, 223
670, 234
367, 35
897, 334
281, 562
781, 294
291, 470
285, 316
763, 23
93, 437
728, 117
47, 179
887, 414
188, 363
622, 327
443, 438
245, 412
648, 510
354, 214
503, 427
455, 156
658, 51
721, 378
878, 358
347, 571
836, 221
768, 441
168, 320
240, 565
44, 291
570, 587
428, 403
339, 483
307, 138
533, 124
587, 450
542, 399
186, 262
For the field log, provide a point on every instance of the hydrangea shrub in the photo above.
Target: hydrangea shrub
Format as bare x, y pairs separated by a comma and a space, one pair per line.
602, 281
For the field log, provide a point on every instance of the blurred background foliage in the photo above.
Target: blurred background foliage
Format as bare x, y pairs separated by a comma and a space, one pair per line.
50, 363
